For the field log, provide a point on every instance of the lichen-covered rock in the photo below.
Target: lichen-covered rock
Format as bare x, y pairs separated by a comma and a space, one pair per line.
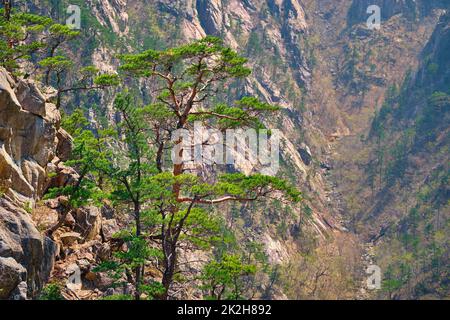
21, 291
103, 281
70, 238
89, 222
21, 241
65, 145
30, 98
11, 274
62, 175
109, 228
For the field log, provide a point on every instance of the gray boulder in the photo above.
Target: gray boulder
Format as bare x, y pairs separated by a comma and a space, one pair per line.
11, 274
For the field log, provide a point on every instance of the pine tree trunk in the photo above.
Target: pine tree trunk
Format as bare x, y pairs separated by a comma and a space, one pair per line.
169, 268
138, 269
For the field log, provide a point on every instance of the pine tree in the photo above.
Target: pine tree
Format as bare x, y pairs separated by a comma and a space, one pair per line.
171, 209
188, 76
20, 36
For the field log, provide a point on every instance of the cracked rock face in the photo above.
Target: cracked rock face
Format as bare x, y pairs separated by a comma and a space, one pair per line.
28, 142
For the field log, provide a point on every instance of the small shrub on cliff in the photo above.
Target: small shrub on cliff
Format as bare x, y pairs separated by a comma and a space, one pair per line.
51, 291
224, 279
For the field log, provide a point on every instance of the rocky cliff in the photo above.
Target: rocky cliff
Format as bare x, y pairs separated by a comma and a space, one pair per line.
28, 147
40, 239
